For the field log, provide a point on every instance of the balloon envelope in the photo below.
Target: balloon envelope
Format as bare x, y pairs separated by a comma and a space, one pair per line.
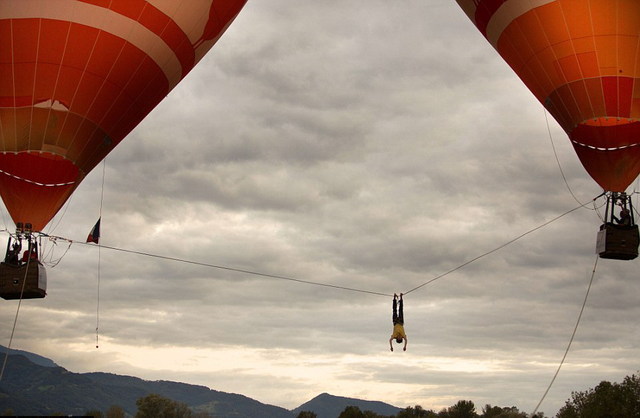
580, 58
76, 76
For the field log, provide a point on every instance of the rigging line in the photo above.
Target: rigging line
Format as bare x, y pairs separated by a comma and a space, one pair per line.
237, 270
47, 259
466, 263
604, 203
53, 263
15, 320
597, 210
555, 153
575, 329
98, 302
635, 210
104, 165
62, 215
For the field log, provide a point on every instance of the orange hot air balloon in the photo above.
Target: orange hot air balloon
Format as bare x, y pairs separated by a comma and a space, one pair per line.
581, 59
76, 76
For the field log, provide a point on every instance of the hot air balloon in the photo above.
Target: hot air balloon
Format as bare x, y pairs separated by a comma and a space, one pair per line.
76, 76
581, 60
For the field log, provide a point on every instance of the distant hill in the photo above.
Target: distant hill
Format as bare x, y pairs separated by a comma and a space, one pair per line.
35, 385
31, 389
329, 406
34, 358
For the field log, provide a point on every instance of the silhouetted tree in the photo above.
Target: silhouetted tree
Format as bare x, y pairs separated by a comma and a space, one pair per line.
95, 413
619, 400
115, 411
491, 411
462, 409
416, 412
307, 414
355, 412
497, 412
371, 414
156, 406
351, 412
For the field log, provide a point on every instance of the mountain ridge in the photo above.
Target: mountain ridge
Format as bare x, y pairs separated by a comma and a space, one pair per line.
44, 388
34, 358
330, 406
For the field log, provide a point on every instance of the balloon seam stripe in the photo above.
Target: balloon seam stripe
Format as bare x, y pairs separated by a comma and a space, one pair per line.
622, 147
37, 183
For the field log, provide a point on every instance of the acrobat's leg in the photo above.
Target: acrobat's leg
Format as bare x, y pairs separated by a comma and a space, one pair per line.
395, 311
401, 312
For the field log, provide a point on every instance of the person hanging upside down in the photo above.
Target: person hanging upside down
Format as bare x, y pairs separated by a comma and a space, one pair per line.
398, 324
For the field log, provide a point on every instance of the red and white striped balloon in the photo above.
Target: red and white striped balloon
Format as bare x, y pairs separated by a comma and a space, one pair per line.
76, 76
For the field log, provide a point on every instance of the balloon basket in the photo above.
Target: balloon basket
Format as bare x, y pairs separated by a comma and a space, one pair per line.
26, 282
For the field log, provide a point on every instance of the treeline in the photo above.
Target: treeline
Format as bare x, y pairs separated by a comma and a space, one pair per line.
619, 400
462, 409
615, 400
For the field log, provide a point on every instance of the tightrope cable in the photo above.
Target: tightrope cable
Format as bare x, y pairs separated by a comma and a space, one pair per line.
314, 283
351, 289
466, 263
238, 270
104, 165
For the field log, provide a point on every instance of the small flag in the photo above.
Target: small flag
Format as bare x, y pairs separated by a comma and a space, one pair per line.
94, 235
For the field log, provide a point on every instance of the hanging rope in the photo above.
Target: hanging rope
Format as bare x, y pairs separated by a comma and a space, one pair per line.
15, 320
104, 164
575, 329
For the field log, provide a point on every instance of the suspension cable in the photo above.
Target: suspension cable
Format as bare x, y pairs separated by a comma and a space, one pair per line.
315, 283
575, 329
466, 263
238, 270
292, 279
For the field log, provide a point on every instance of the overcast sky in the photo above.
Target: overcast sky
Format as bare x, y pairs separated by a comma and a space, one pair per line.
372, 145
